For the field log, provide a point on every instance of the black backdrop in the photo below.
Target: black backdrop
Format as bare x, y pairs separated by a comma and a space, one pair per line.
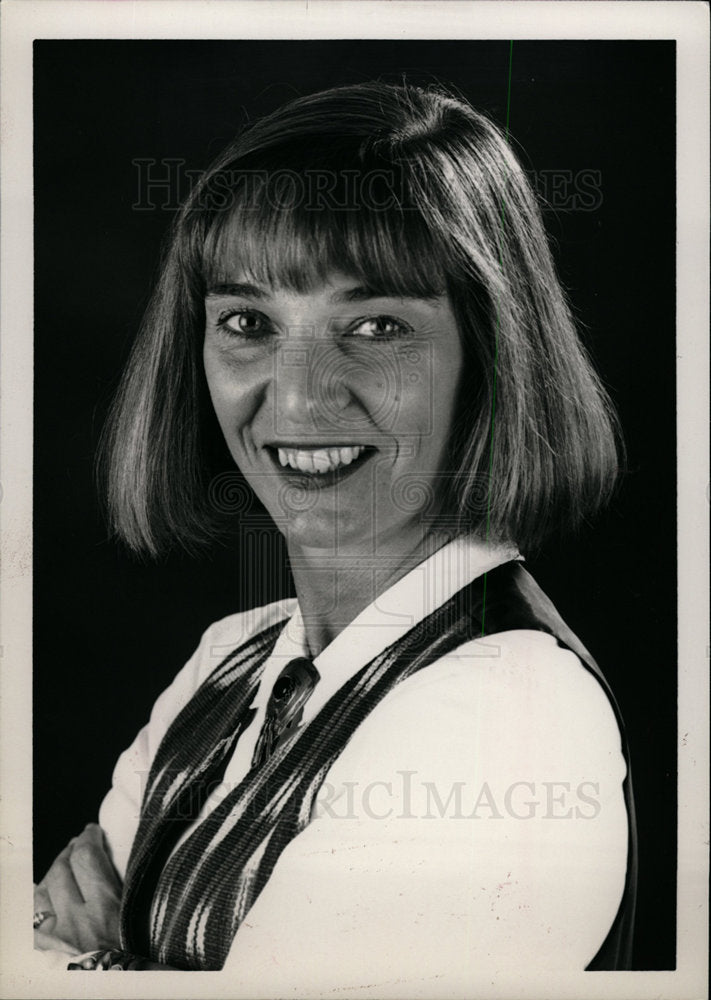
596, 121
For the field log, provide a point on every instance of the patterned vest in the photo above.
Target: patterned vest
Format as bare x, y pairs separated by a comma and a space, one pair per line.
183, 907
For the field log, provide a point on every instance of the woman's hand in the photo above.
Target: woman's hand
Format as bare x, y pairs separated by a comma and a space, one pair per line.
81, 893
114, 960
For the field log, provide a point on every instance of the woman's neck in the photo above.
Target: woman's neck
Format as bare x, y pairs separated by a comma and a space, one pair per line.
334, 587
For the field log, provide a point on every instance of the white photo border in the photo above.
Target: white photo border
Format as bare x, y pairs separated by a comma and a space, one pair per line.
688, 23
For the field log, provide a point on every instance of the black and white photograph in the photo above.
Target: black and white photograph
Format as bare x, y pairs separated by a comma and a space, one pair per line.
358, 648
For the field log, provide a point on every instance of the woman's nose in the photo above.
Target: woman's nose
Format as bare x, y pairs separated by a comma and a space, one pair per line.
309, 386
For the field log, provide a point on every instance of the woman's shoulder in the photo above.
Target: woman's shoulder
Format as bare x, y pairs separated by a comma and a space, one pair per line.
525, 665
218, 640
518, 697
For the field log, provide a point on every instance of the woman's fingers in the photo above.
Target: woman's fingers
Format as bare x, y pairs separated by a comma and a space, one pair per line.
45, 941
44, 915
81, 893
61, 883
81, 874
42, 899
92, 869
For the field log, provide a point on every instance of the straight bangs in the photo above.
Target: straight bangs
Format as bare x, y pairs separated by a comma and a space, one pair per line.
291, 232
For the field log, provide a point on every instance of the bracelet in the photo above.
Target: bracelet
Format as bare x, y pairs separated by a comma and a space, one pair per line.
112, 960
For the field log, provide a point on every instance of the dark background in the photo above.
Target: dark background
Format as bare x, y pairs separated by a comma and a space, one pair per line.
111, 631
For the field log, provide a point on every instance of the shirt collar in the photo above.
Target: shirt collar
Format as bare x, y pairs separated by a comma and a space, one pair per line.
392, 614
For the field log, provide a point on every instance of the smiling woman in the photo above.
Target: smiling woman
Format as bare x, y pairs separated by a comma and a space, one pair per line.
361, 293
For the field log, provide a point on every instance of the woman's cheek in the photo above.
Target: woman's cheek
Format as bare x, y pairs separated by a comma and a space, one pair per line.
233, 396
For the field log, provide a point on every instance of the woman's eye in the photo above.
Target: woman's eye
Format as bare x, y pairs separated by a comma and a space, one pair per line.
380, 328
244, 323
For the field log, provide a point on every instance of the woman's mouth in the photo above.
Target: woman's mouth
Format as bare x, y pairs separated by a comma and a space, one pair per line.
319, 460
322, 465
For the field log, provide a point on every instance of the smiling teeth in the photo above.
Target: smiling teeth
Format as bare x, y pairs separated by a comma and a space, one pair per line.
320, 459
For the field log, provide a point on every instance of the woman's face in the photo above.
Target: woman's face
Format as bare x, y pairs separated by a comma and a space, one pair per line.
336, 404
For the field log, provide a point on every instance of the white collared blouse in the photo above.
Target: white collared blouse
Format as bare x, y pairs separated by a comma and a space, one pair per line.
473, 826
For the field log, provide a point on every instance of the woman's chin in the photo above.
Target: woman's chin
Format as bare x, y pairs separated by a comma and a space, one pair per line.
325, 529
356, 530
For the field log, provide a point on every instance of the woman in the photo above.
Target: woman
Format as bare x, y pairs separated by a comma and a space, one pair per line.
360, 292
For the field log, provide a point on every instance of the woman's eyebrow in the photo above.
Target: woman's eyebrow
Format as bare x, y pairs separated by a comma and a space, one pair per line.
242, 288
361, 293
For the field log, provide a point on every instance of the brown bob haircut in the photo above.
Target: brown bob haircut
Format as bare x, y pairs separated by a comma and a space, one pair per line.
414, 193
